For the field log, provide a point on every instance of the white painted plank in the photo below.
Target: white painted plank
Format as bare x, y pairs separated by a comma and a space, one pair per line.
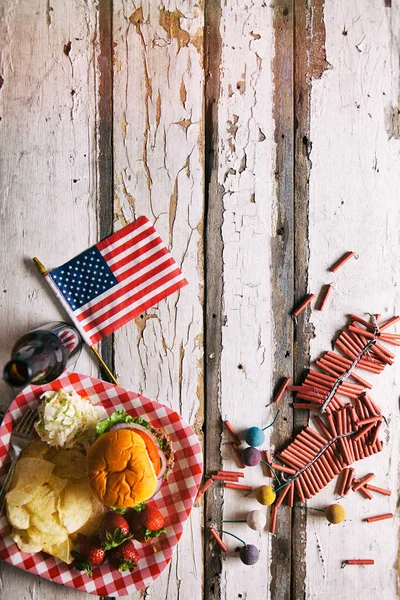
158, 140
47, 109
355, 193
246, 166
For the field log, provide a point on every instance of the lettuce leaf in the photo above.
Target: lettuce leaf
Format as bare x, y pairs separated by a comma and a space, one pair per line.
119, 416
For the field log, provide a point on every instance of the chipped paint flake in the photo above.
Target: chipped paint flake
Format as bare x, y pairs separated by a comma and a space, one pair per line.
170, 21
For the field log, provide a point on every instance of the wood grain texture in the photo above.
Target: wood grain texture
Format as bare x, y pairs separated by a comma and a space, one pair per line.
48, 174
214, 316
246, 179
104, 146
282, 250
158, 172
309, 64
354, 205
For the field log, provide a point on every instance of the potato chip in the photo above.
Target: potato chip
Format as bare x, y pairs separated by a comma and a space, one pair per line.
31, 471
61, 551
69, 463
92, 525
44, 502
24, 543
18, 516
76, 505
21, 495
35, 449
50, 499
47, 524
49, 539
57, 483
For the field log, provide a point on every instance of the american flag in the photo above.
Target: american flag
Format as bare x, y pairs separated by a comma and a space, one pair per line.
117, 279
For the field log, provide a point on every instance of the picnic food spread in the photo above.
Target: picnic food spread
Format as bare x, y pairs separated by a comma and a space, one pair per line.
68, 480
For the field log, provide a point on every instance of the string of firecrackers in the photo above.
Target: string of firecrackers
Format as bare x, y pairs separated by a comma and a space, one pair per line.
359, 343
314, 458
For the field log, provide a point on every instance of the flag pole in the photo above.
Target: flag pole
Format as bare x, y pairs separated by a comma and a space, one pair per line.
44, 273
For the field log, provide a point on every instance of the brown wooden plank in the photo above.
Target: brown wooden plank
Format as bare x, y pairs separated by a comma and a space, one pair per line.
282, 256
213, 296
105, 156
309, 63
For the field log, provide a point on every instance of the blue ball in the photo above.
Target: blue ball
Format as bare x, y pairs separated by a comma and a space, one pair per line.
254, 436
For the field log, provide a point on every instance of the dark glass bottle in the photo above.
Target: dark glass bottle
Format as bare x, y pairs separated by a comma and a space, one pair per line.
41, 355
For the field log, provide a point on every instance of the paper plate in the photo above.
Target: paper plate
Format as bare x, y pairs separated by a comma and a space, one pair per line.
175, 499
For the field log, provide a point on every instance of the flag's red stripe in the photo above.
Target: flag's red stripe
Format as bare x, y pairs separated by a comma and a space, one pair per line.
96, 322
134, 255
130, 242
96, 337
118, 291
144, 263
122, 232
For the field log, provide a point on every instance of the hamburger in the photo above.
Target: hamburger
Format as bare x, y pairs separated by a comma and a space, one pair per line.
129, 461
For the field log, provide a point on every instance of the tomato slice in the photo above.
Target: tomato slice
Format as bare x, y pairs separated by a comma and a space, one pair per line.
152, 450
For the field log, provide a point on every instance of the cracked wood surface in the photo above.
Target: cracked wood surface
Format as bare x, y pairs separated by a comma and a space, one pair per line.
262, 140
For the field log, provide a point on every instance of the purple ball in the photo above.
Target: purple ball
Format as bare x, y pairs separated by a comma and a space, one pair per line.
249, 554
251, 456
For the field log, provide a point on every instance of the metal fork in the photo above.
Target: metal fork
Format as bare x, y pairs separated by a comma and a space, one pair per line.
21, 436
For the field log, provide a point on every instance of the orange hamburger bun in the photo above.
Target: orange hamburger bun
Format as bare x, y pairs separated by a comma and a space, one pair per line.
119, 469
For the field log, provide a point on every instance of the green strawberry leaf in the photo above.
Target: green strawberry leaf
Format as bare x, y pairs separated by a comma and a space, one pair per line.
139, 507
127, 564
115, 539
121, 511
148, 534
81, 563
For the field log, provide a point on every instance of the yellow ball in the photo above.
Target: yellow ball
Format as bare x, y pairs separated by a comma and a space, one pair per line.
335, 513
265, 495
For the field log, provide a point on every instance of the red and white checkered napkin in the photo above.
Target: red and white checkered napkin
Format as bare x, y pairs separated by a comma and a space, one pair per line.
175, 499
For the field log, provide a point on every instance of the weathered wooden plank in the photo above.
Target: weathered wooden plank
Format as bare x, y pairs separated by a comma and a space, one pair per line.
214, 317
282, 257
354, 195
158, 171
48, 174
245, 180
104, 146
309, 64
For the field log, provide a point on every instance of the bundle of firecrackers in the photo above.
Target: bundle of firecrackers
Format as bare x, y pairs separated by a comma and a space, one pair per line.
348, 431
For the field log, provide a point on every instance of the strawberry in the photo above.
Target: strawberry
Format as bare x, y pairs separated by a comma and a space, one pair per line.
124, 557
146, 524
91, 554
114, 530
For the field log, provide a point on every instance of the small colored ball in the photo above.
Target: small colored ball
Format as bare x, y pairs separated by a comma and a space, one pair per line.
256, 520
249, 554
251, 456
335, 513
254, 436
265, 495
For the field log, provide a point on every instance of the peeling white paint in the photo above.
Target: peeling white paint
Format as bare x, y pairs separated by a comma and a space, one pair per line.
355, 194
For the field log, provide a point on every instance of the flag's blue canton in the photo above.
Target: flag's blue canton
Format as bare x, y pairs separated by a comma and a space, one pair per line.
83, 278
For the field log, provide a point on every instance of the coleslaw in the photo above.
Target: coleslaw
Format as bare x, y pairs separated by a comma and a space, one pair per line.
65, 419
